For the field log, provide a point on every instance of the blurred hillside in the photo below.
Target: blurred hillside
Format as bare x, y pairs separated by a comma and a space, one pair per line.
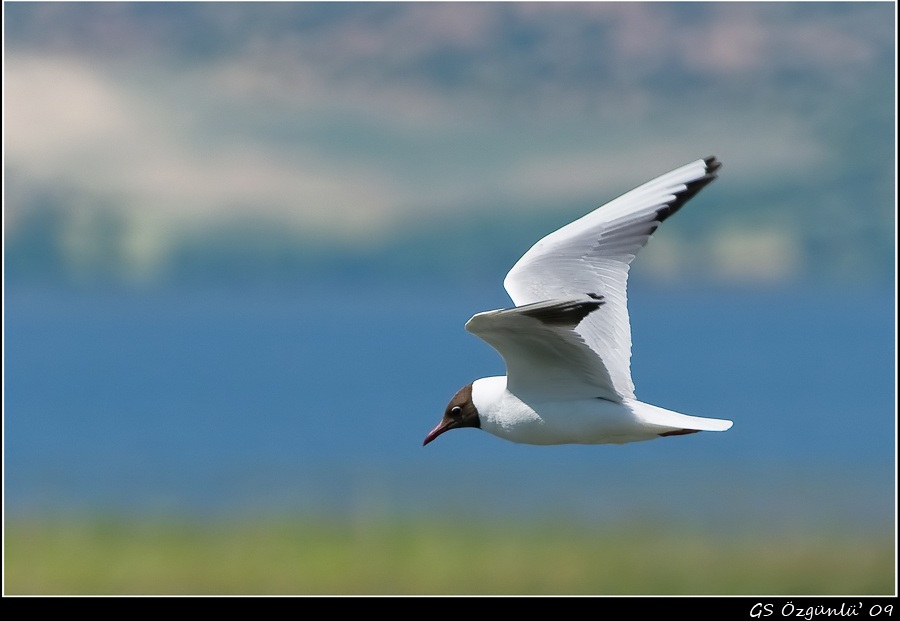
154, 143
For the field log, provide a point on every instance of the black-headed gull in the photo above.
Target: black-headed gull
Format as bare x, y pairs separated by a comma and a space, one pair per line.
567, 342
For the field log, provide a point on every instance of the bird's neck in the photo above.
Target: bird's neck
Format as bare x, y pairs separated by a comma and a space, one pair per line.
488, 393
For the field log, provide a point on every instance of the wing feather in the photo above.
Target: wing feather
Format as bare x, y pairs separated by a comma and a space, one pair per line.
542, 350
592, 255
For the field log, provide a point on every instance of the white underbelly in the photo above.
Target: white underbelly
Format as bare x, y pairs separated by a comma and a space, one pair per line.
589, 421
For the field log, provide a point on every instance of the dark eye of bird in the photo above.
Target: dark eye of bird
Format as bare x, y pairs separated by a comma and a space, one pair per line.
456, 410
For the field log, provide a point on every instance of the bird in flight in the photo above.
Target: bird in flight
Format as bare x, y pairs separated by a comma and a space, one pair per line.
567, 342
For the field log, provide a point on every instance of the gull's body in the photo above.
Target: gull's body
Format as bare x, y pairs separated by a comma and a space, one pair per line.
567, 342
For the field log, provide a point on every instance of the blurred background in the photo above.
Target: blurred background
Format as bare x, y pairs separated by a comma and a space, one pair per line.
241, 241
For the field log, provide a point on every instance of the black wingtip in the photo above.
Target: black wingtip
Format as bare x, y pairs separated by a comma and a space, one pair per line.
712, 166
568, 313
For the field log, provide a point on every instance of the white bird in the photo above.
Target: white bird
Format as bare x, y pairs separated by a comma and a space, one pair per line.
567, 342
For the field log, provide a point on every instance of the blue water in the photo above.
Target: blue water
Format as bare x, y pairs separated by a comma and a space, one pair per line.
252, 401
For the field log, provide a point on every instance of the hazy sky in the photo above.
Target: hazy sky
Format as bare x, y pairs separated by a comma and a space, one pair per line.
354, 120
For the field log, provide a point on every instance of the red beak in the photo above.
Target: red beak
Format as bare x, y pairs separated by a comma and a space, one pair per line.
444, 425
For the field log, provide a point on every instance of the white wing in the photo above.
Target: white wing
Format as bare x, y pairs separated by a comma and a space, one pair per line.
543, 352
591, 256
